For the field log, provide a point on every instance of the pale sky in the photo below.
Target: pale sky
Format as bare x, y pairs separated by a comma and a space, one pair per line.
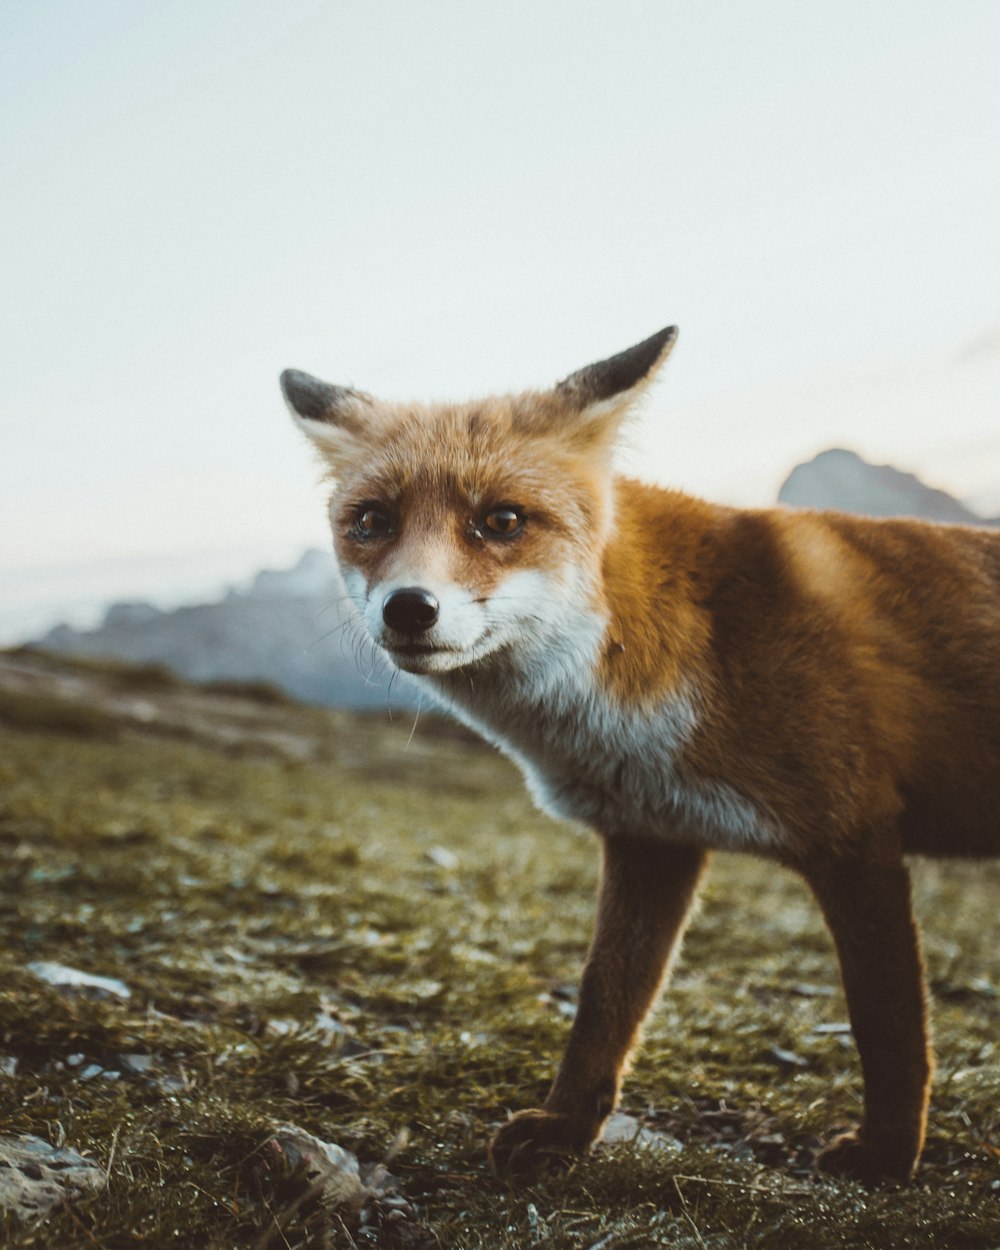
438, 199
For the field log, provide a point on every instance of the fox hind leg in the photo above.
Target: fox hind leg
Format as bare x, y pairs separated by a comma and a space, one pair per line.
867, 907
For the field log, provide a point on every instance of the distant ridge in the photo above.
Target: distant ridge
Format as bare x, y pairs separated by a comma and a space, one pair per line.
290, 627
842, 480
287, 628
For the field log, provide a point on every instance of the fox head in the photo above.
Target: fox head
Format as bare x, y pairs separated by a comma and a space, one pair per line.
464, 530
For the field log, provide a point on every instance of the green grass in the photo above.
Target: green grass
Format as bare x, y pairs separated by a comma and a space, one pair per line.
266, 879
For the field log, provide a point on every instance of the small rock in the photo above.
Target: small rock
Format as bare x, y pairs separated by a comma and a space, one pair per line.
785, 1058
425, 989
621, 1127
140, 1065
441, 857
173, 1084
805, 989
65, 978
367, 1196
328, 1165
36, 1176
327, 1023
562, 1000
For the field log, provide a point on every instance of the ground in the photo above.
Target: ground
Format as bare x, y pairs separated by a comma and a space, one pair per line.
364, 930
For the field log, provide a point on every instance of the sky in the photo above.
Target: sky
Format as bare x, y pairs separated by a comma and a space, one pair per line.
440, 199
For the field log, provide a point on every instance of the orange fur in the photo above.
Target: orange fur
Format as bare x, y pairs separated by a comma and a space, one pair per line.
819, 688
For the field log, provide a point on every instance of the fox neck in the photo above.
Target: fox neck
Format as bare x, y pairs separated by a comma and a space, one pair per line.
652, 577
599, 718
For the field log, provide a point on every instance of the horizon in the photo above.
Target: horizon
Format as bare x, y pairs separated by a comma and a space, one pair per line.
462, 201
80, 595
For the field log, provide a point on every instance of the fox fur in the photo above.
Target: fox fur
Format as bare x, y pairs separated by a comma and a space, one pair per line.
817, 688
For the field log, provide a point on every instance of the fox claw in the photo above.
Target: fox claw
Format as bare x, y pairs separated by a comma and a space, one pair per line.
851, 1156
532, 1140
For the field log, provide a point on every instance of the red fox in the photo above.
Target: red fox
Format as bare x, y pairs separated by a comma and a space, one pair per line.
819, 689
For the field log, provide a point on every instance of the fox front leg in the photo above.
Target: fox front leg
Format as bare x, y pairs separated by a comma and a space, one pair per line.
867, 907
647, 888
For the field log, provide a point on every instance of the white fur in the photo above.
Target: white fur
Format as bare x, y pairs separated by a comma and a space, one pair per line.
325, 435
599, 408
588, 759
584, 755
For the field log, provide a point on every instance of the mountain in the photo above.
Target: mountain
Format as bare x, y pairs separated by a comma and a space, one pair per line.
939, 408
841, 479
286, 628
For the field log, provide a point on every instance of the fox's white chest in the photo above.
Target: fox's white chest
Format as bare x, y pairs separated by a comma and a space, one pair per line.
620, 771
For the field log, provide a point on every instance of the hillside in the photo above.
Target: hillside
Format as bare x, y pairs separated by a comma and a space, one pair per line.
229, 920
289, 627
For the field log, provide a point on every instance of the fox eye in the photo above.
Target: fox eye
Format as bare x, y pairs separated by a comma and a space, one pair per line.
503, 522
372, 521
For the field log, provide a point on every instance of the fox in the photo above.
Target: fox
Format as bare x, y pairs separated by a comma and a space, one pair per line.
816, 688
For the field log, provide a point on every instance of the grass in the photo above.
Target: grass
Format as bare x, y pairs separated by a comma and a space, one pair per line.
326, 921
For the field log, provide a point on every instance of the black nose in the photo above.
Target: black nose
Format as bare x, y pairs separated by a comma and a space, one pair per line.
410, 610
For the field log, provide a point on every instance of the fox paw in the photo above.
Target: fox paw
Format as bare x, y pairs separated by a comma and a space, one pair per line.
533, 1140
871, 1163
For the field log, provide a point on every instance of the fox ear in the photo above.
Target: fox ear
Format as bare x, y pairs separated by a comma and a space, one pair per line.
329, 415
611, 386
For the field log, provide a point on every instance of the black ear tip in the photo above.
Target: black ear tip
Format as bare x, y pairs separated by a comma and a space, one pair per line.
314, 400
666, 337
619, 373
647, 354
308, 396
293, 380
287, 382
